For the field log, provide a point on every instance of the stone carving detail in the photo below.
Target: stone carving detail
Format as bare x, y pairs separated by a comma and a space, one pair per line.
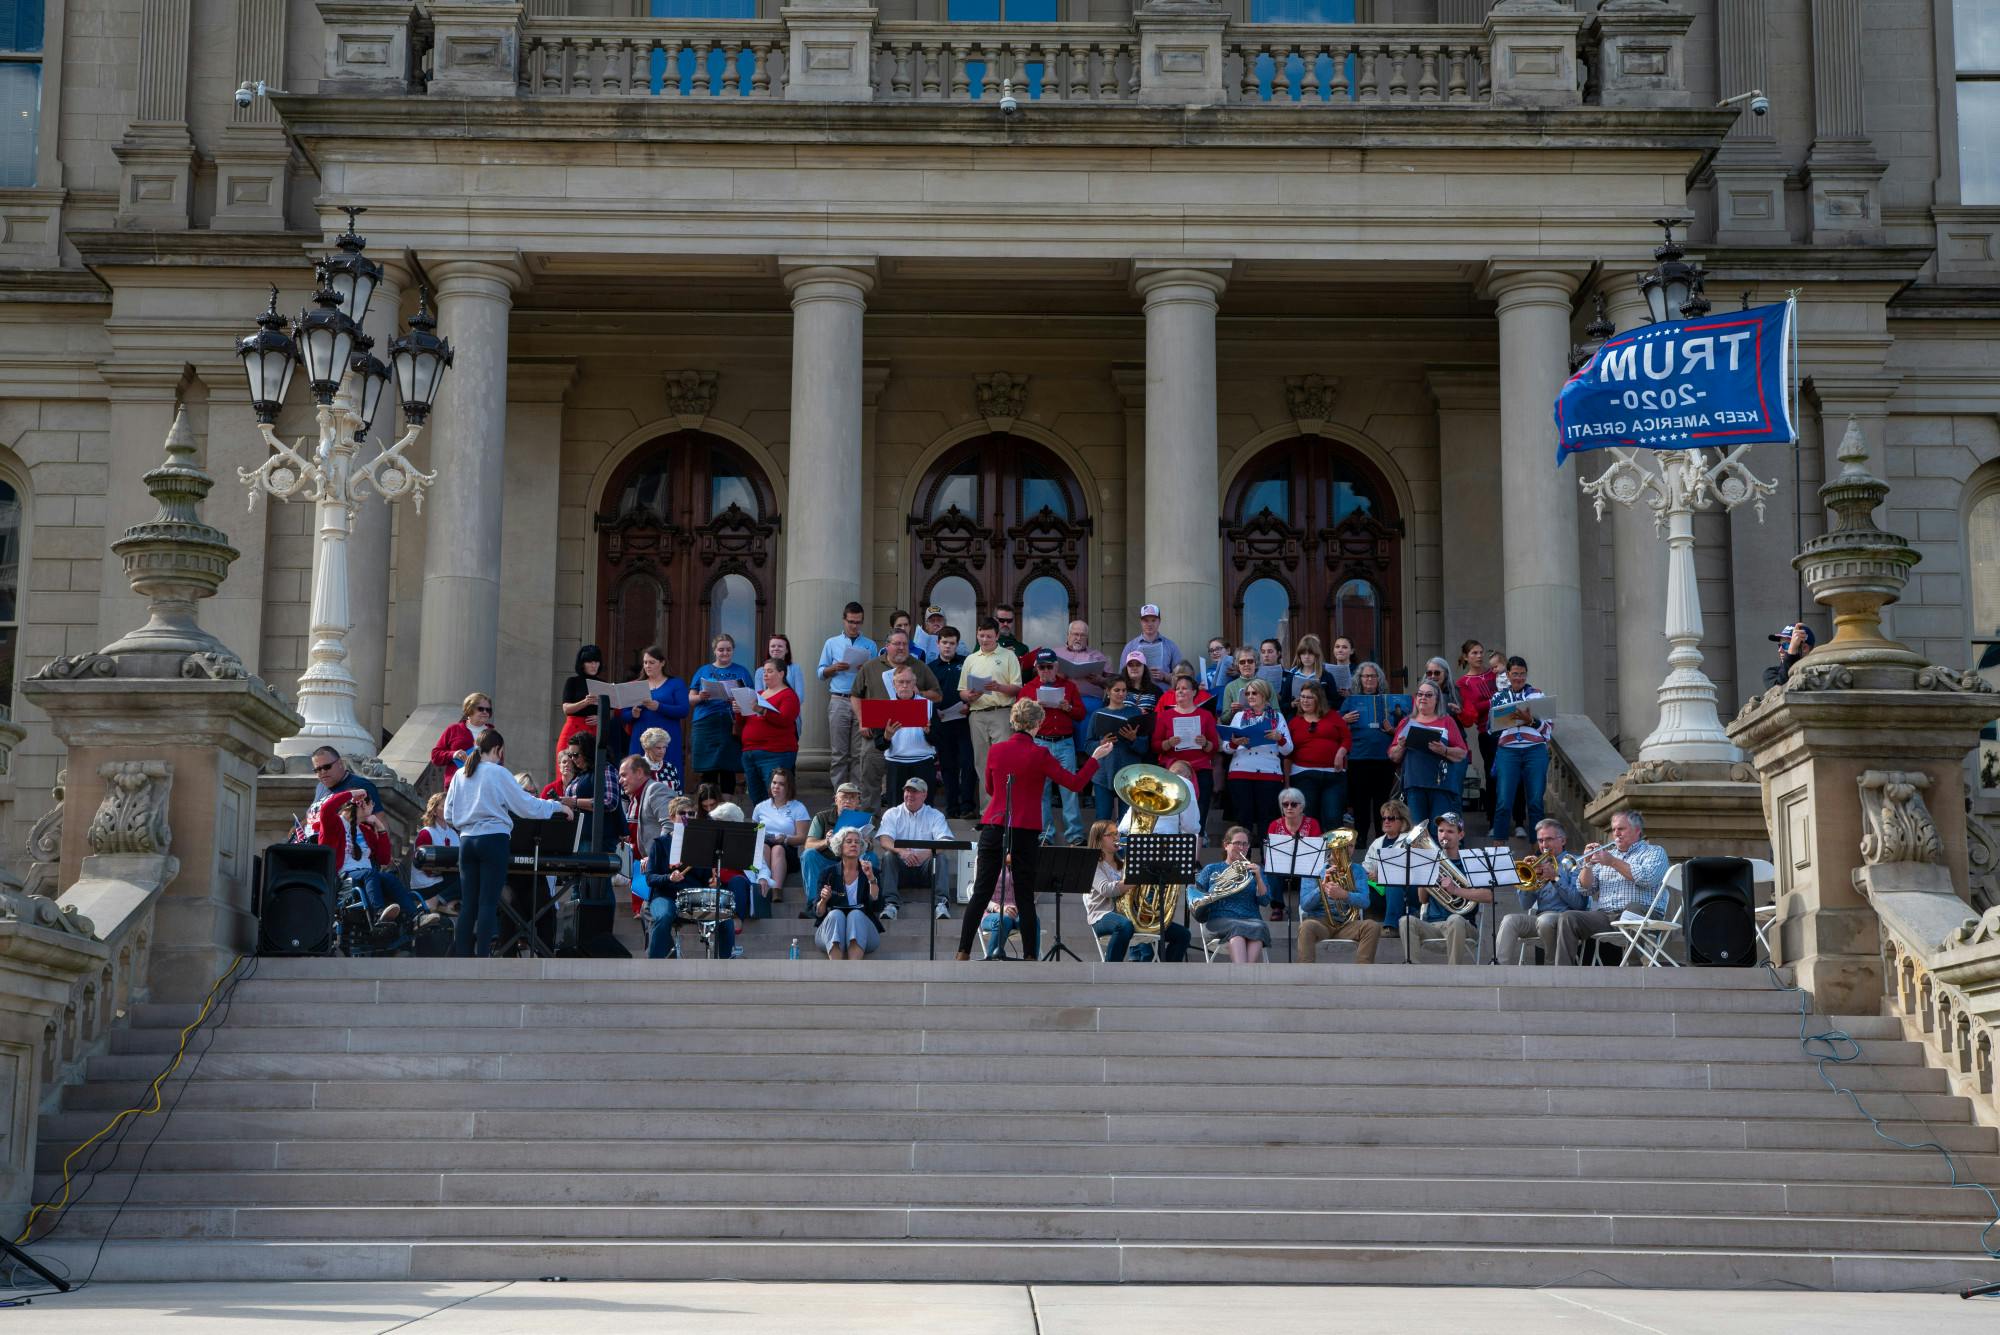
76, 666
1899, 825
691, 393
1309, 398
1821, 677
1976, 931
1936, 678
213, 667
372, 767
1000, 397
45, 840
1654, 771
18, 905
132, 818
31, 903
1982, 858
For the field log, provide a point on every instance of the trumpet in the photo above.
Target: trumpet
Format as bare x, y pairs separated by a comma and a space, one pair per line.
1543, 869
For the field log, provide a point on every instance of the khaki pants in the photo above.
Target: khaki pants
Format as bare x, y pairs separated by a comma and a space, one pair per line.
1364, 932
988, 726
1455, 932
841, 730
1576, 927
1515, 926
868, 767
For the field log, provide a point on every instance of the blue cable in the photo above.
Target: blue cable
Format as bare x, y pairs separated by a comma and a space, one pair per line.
1826, 1049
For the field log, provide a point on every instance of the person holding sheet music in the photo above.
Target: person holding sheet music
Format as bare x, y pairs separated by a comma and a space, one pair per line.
988, 686
1214, 672
951, 732
1100, 907
909, 752
1371, 715
1475, 697
1016, 772
1426, 745
1140, 692
838, 659
1320, 748
1521, 764
1256, 741
714, 753
1308, 669
1232, 689
1063, 709
1131, 735
666, 708
1183, 730
1155, 650
579, 705
771, 733
876, 680
1458, 931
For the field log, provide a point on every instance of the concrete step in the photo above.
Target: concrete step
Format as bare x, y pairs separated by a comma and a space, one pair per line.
725, 1184
1161, 1131
1564, 1072
979, 1156
987, 1261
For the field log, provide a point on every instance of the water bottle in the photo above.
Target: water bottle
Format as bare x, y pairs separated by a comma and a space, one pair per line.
795, 947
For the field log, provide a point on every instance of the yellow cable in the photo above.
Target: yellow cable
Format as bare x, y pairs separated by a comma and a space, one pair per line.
206, 1006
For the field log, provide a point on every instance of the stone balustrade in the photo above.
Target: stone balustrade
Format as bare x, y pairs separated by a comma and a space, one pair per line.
1326, 65
1175, 55
1948, 998
1582, 766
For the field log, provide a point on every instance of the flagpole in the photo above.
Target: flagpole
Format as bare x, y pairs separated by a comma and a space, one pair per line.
1798, 466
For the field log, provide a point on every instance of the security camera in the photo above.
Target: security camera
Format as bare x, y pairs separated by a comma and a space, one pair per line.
245, 95
1009, 104
1760, 105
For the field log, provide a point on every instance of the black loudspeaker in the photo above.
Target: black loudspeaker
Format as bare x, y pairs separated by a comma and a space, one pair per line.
1718, 916
300, 885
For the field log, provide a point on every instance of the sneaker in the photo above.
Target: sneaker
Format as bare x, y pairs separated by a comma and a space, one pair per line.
1277, 913
737, 953
888, 913
943, 910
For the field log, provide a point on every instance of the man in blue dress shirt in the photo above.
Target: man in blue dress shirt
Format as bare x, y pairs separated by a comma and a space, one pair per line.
837, 662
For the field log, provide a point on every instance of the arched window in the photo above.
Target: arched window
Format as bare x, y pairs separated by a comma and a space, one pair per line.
1311, 544
999, 519
1982, 553
10, 588
687, 549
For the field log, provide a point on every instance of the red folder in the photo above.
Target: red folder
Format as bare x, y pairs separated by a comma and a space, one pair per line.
881, 713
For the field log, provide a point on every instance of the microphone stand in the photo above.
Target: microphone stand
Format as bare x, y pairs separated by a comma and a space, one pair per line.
1006, 850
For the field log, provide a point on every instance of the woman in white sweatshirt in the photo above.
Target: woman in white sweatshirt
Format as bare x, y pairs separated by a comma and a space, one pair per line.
481, 805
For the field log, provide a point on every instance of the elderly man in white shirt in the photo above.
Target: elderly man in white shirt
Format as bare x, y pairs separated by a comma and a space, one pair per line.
913, 818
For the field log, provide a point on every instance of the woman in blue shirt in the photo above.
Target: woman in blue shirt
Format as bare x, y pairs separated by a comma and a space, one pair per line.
713, 749
668, 708
1130, 745
1372, 724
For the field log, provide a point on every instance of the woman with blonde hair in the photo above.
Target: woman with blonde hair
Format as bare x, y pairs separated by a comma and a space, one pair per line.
439, 889
455, 744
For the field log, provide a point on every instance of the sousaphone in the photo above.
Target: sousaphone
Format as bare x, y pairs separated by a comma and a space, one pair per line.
1153, 794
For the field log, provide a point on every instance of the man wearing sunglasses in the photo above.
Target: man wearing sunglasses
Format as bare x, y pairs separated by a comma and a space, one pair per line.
330, 768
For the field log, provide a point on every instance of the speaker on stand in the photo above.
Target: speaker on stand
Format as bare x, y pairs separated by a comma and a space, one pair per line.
1718, 914
296, 910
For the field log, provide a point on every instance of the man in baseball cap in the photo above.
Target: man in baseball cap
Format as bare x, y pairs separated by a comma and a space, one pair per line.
1159, 652
1794, 642
924, 640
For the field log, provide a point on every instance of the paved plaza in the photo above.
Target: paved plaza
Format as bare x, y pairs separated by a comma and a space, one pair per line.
543, 1308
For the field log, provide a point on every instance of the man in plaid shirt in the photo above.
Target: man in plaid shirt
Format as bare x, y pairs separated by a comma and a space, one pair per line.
1629, 874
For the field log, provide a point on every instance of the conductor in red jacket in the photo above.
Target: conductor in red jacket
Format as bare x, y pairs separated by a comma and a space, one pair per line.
1017, 773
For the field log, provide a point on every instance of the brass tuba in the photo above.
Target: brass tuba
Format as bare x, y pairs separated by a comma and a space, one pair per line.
1152, 793
1337, 881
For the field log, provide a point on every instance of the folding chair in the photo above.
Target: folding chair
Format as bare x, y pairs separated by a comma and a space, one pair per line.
1645, 941
1013, 938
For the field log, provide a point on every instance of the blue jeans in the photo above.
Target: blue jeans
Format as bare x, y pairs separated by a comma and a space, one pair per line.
758, 766
1116, 929
660, 940
1514, 767
1325, 792
1064, 750
1425, 803
482, 871
999, 926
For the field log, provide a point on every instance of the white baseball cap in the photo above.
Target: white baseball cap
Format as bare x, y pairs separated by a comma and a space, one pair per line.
1150, 610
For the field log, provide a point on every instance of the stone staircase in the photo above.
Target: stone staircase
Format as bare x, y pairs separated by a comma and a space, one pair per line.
446, 1119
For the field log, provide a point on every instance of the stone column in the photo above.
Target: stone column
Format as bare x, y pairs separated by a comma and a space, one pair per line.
252, 159
1540, 575
461, 613
156, 156
536, 391
1463, 11
1181, 468
1468, 402
823, 555
1749, 169
1843, 174
1123, 621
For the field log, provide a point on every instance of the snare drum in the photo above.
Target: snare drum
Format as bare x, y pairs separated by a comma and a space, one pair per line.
702, 904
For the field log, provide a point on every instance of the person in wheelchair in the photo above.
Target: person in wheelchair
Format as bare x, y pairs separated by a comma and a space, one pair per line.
348, 823
671, 883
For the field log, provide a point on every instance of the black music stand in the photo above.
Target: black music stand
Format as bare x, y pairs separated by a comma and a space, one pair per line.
936, 846
534, 840
1409, 870
1074, 869
1303, 857
1492, 869
717, 844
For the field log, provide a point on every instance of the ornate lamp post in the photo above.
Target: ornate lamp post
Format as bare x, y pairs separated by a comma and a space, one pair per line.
349, 384
1685, 481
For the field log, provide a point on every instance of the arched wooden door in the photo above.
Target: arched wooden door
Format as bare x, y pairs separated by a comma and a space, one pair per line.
1000, 519
1312, 544
686, 548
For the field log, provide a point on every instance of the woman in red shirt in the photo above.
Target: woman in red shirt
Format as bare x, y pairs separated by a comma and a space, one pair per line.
1320, 743
1197, 750
475, 716
1018, 772
771, 738
1475, 699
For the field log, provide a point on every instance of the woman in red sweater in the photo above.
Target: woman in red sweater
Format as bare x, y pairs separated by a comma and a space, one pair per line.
1320, 743
1475, 699
771, 739
1196, 747
475, 716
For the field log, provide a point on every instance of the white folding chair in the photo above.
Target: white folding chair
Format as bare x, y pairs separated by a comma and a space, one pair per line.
1211, 946
1645, 941
986, 938
1764, 874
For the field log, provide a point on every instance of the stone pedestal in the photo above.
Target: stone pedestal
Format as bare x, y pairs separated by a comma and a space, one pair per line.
251, 166
216, 737
1534, 53
830, 52
367, 46
1691, 809
38, 970
476, 48
1639, 54
1180, 52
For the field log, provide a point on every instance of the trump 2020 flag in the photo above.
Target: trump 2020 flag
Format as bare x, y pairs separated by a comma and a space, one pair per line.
1717, 380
